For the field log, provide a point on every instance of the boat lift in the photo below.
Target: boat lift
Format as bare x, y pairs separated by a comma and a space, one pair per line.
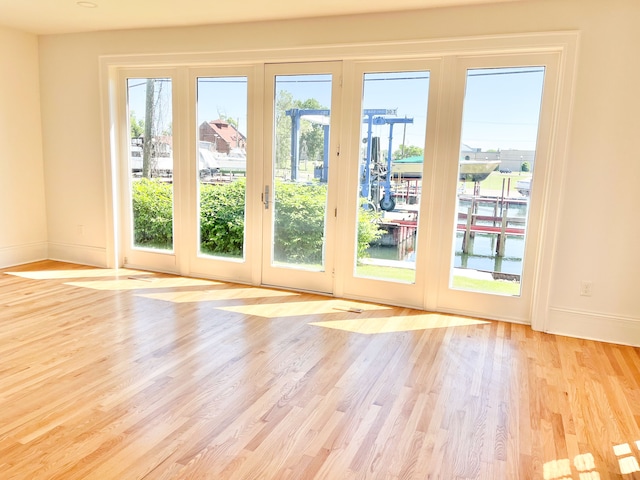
314, 116
381, 174
374, 173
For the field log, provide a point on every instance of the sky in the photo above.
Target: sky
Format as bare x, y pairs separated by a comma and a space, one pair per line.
501, 106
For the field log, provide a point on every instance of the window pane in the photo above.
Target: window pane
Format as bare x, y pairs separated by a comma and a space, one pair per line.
394, 117
300, 170
222, 165
151, 162
497, 157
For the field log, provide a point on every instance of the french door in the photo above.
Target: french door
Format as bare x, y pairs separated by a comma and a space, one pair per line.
392, 114
493, 184
223, 173
449, 185
418, 182
299, 196
149, 169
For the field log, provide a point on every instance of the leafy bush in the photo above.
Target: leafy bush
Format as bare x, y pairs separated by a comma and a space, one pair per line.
222, 218
152, 213
298, 224
368, 229
525, 167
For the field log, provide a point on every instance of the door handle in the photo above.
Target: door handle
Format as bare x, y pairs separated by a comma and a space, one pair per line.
265, 197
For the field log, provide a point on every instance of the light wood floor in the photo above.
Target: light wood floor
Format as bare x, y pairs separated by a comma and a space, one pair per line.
156, 377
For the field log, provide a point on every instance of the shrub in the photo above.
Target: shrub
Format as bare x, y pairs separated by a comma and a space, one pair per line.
152, 213
298, 225
222, 218
525, 167
368, 229
299, 222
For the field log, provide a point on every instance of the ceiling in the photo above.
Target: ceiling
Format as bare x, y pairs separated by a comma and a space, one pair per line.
66, 16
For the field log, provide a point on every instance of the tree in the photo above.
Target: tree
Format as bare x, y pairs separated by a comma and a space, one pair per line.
284, 101
230, 120
137, 126
406, 151
156, 120
312, 134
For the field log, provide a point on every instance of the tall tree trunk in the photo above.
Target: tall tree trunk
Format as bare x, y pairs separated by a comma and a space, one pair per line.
147, 149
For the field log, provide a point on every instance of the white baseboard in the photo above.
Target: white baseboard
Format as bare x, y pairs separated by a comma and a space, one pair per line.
594, 326
21, 254
84, 255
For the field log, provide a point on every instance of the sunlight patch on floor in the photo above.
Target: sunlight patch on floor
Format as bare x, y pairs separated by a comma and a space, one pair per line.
557, 469
77, 273
586, 466
218, 294
627, 462
294, 309
400, 323
584, 462
628, 465
144, 281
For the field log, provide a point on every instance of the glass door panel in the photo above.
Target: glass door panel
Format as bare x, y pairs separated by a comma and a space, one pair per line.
223, 175
297, 191
501, 113
390, 167
393, 130
302, 120
149, 168
221, 166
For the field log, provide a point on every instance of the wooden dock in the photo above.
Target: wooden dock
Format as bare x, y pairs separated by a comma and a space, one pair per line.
398, 232
502, 226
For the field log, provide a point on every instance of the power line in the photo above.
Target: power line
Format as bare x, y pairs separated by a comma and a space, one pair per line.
471, 73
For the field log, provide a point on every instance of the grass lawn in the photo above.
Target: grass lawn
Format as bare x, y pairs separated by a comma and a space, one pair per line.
387, 273
494, 181
501, 287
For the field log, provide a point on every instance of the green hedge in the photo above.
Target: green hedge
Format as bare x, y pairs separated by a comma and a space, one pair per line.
222, 219
298, 225
152, 214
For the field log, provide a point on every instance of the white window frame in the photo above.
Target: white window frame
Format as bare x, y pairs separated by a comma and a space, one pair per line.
563, 44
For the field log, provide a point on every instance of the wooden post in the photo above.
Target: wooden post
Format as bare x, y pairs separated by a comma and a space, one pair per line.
467, 231
502, 237
474, 211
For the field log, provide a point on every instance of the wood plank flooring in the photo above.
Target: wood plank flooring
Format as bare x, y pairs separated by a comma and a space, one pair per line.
148, 376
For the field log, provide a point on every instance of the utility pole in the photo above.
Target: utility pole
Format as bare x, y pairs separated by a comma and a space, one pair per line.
404, 136
147, 149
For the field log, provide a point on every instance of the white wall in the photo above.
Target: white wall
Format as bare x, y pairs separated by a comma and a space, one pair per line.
23, 233
598, 239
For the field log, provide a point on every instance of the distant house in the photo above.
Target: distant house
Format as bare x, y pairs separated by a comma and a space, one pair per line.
222, 135
510, 159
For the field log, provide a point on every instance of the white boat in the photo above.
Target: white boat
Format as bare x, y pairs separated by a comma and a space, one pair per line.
469, 170
476, 170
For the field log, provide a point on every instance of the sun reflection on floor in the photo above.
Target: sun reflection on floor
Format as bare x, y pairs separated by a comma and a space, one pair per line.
77, 273
312, 307
585, 464
144, 282
626, 460
239, 293
399, 323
